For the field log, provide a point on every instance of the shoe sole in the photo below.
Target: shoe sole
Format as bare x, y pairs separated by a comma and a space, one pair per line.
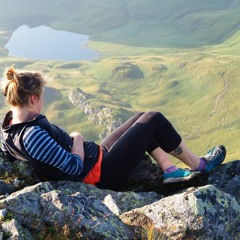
196, 181
180, 179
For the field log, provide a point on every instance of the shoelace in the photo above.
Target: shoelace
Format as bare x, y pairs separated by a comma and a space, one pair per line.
212, 156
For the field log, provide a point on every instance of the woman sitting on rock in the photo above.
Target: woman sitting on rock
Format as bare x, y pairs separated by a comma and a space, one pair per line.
55, 155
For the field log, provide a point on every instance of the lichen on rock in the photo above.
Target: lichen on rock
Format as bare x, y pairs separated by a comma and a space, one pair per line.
143, 210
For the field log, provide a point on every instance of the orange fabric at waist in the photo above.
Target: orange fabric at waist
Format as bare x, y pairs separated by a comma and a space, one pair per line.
94, 175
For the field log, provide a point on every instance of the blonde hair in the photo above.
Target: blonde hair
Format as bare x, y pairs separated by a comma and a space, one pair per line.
19, 85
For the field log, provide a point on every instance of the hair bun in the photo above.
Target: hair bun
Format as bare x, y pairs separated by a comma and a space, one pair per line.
10, 74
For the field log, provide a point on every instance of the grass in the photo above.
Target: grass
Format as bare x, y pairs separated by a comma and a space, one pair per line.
183, 63
188, 96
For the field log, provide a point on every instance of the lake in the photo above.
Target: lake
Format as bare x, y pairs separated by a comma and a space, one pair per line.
45, 43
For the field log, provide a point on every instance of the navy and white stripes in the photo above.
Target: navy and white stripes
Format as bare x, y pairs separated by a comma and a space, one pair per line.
41, 146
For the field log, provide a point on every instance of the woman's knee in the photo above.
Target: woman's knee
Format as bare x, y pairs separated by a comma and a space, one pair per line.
154, 115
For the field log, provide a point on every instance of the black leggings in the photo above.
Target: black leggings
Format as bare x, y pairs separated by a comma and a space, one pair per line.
127, 145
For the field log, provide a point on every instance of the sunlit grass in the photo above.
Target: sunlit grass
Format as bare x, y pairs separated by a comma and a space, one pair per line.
192, 95
197, 88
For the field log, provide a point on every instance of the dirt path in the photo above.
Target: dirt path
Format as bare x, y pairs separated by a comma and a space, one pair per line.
220, 97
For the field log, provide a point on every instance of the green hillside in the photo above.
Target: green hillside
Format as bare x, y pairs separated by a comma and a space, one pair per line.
177, 57
153, 23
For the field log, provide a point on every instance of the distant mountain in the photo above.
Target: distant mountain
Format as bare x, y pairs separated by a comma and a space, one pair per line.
153, 23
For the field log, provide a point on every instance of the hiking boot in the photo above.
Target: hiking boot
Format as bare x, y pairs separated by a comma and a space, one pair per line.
214, 158
179, 175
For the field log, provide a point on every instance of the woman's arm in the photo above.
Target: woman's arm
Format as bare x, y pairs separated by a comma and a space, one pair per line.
42, 147
77, 147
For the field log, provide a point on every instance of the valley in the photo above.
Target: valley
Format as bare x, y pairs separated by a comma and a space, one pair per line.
172, 58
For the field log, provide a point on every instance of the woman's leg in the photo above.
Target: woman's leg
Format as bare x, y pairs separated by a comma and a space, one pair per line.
158, 154
149, 131
183, 153
162, 158
109, 141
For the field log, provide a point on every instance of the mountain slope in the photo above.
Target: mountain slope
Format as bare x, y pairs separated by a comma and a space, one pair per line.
196, 86
155, 23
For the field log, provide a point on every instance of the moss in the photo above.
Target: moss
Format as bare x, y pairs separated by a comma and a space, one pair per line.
9, 216
6, 235
56, 232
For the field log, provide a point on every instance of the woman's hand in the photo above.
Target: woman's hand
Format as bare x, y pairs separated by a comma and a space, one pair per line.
77, 147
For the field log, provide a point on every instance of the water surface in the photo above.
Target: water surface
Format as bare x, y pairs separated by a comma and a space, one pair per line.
45, 43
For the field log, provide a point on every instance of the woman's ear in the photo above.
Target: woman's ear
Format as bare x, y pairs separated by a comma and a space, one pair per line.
33, 99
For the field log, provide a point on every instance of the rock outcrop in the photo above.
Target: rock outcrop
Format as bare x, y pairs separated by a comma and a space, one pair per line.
202, 213
30, 209
97, 113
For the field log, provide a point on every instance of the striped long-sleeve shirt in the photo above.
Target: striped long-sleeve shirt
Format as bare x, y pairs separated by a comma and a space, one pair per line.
47, 148
41, 146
